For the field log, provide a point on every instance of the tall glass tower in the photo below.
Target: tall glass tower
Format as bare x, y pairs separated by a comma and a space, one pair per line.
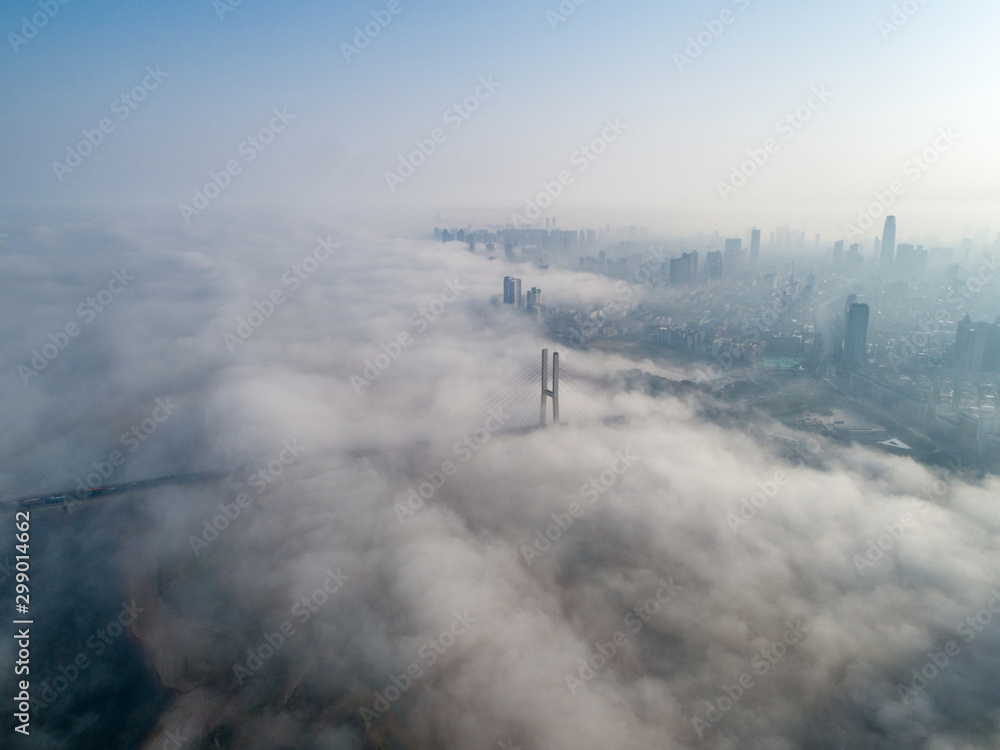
888, 248
856, 341
512, 291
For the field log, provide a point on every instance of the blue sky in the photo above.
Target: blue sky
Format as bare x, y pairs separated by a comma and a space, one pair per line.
353, 120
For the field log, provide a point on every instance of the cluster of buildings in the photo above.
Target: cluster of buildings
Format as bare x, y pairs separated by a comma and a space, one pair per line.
900, 329
728, 263
530, 303
535, 242
908, 261
951, 390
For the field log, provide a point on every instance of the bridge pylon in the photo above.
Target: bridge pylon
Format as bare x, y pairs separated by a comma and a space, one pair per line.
547, 392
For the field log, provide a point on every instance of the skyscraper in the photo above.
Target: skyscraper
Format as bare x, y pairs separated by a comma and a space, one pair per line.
713, 265
854, 261
754, 246
680, 270
684, 270
856, 340
534, 300
888, 248
512, 291
733, 255
910, 260
991, 348
971, 343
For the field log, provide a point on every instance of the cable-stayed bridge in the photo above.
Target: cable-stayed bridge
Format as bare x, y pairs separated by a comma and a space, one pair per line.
73, 498
533, 396
526, 395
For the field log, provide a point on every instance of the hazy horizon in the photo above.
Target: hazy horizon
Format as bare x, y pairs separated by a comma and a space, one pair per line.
890, 79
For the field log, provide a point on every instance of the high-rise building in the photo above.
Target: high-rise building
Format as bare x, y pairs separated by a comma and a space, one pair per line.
713, 265
534, 300
965, 337
684, 270
512, 291
886, 258
783, 236
856, 339
680, 270
838, 255
939, 256
991, 351
977, 346
855, 260
910, 260
754, 246
965, 246
733, 253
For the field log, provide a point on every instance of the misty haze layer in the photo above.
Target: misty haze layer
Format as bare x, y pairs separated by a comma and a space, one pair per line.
598, 584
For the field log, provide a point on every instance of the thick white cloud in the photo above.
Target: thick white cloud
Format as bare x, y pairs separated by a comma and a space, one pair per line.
664, 527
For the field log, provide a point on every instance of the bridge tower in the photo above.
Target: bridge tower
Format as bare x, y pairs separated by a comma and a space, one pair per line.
546, 391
